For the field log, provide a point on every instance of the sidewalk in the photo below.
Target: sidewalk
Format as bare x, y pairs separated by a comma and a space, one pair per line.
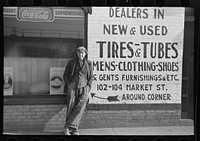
165, 130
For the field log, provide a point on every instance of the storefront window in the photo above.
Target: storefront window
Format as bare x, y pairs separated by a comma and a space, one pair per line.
37, 40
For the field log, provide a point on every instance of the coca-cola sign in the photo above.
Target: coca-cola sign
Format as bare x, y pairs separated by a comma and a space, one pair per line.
35, 14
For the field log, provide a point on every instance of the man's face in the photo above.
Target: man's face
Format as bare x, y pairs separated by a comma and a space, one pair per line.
81, 54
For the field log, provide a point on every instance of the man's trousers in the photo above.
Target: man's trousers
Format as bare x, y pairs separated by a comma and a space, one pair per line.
76, 103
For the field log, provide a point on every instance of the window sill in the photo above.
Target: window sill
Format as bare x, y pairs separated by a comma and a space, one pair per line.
34, 99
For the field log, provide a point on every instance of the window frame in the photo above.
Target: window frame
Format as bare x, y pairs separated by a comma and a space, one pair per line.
35, 99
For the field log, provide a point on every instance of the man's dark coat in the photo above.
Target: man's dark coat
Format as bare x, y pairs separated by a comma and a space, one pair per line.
69, 74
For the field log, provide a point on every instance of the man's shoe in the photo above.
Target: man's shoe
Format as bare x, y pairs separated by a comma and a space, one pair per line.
65, 131
75, 133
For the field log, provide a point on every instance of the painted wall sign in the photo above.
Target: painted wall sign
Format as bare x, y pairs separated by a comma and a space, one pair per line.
64, 13
56, 80
137, 54
8, 81
10, 11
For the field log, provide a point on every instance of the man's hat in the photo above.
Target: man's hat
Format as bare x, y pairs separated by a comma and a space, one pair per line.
81, 48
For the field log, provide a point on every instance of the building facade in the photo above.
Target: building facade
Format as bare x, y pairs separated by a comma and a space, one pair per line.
38, 43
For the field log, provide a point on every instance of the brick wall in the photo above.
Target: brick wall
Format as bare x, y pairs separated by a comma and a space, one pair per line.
34, 116
52, 117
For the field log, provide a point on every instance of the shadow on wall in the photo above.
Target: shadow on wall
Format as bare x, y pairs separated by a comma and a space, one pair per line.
57, 121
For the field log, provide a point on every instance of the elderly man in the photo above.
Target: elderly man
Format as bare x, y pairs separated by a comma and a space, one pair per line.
78, 77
